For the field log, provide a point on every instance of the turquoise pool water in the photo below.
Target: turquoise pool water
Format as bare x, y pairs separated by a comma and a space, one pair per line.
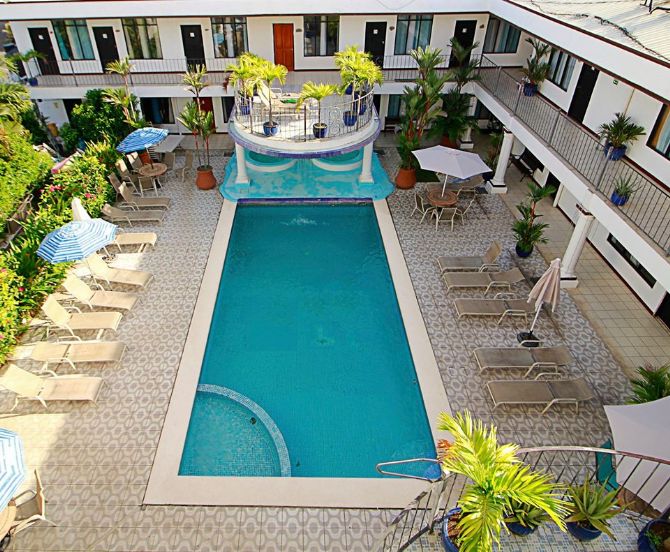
306, 326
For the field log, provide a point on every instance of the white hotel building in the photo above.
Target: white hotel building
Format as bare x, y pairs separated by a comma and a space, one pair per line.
606, 58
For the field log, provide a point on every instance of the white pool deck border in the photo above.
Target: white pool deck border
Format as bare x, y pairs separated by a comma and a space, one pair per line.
167, 487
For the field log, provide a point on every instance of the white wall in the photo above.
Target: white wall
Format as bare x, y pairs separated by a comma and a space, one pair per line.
556, 94
54, 111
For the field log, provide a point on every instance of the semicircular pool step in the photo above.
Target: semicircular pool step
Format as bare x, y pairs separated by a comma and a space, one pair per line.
231, 435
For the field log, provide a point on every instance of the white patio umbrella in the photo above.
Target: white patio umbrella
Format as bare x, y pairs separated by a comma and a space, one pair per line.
451, 162
546, 290
643, 429
78, 210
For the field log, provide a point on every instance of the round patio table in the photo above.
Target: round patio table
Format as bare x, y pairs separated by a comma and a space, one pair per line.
7, 517
155, 170
436, 199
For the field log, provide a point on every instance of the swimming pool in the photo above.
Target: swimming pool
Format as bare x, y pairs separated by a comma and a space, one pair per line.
307, 361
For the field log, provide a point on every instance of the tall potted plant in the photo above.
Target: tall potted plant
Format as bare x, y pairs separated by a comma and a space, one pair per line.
268, 73
318, 92
536, 70
528, 230
618, 133
497, 478
591, 507
358, 74
455, 119
243, 74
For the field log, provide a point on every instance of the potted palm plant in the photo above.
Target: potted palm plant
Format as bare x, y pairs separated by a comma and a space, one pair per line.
454, 120
268, 73
243, 74
619, 132
591, 507
655, 536
650, 384
497, 478
536, 70
623, 190
527, 230
358, 74
318, 92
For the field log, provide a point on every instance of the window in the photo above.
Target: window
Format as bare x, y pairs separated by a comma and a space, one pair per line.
501, 37
561, 66
230, 36
632, 261
142, 38
395, 108
227, 102
321, 35
660, 137
157, 110
412, 31
73, 39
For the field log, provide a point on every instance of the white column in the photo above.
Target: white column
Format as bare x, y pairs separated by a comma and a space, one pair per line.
498, 185
323, 39
575, 248
242, 176
366, 169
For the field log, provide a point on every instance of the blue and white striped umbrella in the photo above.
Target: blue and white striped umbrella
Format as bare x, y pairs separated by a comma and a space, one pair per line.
77, 240
141, 139
12, 467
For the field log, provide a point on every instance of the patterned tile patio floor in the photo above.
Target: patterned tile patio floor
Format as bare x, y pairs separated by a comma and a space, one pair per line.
95, 460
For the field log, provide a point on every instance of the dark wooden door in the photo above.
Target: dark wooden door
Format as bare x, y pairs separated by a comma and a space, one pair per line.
663, 312
583, 91
464, 33
283, 40
375, 40
194, 51
106, 44
42, 43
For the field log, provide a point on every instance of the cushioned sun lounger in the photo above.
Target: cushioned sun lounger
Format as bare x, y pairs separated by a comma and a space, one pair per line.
113, 214
78, 290
486, 262
499, 308
49, 388
135, 239
541, 392
526, 358
71, 353
100, 270
61, 319
486, 280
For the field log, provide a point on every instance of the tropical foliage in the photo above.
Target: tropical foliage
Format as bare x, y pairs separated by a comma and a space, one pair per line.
650, 384
318, 92
592, 506
528, 230
358, 73
621, 130
243, 73
267, 73
200, 123
537, 69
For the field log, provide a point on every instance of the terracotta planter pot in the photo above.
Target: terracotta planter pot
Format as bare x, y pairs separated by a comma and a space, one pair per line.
449, 143
144, 157
405, 179
205, 179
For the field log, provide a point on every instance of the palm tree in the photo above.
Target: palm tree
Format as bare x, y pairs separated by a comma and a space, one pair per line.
465, 70
123, 99
498, 479
243, 73
190, 118
195, 82
25, 58
123, 67
14, 99
650, 384
318, 92
357, 70
269, 72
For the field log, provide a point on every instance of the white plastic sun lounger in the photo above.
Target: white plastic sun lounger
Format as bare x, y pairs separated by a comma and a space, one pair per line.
500, 308
61, 319
526, 358
486, 262
486, 280
49, 388
545, 393
100, 270
54, 353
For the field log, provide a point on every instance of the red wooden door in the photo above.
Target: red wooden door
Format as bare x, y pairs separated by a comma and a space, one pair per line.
283, 39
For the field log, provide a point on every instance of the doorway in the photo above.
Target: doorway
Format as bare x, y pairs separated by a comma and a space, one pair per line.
663, 312
464, 33
375, 40
583, 91
194, 51
106, 44
42, 44
283, 43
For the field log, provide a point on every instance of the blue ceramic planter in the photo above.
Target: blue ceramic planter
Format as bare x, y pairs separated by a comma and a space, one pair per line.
522, 252
519, 529
618, 200
448, 544
349, 118
529, 89
245, 109
614, 153
644, 544
320, 130
270, 129
582, 533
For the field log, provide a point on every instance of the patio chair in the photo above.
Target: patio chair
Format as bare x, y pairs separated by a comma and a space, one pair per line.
147, 183
466, 187
449, 214
421, 206
127, 199
134, 239
30, 508
186, 167
485, 262
125, 174
50, 388
499, 308
169, 161
80, 291
486, 280
135, 161
116, 215
71, 352
100, 270
526, 358
60, 318
539, 392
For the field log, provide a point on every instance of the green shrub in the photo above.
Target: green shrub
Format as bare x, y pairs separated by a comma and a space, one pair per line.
10, 316
32, 123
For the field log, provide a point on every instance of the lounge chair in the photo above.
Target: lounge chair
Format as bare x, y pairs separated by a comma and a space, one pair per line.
500, 308
542, 392
140, 202
135, 239
44, 389
72, 353
30, 508
486, 280
115, 215
125, 174
421, 206
527, 358
80, 291
61, 319
486, 262
100, 270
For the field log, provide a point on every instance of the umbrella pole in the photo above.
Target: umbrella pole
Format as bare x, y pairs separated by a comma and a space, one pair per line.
444, 186
529, 339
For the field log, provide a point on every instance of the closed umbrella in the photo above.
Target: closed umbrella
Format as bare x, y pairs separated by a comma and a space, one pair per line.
12, 467
546, 290
142, 139
78, 210
76, 240
450, 161
643, 429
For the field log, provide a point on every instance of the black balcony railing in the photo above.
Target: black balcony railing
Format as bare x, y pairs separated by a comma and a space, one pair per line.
649, 206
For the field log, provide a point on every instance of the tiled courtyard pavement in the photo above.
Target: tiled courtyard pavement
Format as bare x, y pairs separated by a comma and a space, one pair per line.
95, 461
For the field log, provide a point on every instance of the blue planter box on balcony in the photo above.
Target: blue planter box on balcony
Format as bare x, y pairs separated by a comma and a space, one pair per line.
529, 89
245, 109
618, 199
614, 153
320, 130
349, 118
